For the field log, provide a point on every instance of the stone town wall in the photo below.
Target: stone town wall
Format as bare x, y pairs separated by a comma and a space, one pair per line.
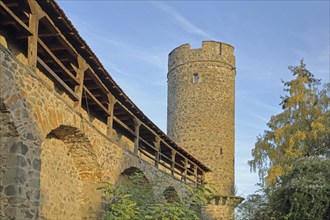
52, 158
201, 110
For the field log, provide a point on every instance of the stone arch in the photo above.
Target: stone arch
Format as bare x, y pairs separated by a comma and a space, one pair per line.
70, 175
171, 195
133, 181
129, 161
130, 172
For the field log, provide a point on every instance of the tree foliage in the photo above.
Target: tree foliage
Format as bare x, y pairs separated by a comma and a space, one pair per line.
301, 130
292, 157
133, 198
303, 194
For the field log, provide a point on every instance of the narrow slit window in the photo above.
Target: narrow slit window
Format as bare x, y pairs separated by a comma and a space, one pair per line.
220, 151
196, 78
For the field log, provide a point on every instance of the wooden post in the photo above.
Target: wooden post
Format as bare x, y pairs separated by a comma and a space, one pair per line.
112, 101
35, 16
157, 146
173, 153
185, 169
203, 177
195, 174
137, 124
82, 67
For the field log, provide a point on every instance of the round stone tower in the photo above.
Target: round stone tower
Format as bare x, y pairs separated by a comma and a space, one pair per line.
201, 110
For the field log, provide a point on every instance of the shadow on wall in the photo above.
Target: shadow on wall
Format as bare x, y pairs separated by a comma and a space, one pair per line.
171, 195
8, 138
69, 176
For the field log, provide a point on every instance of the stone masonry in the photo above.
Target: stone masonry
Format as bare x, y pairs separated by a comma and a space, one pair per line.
66, 126
201, 109
52, 158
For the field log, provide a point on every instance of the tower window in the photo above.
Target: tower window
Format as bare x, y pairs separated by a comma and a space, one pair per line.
196, 78
220, 151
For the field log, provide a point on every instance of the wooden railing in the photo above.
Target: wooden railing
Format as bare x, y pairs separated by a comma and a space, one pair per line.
72, 77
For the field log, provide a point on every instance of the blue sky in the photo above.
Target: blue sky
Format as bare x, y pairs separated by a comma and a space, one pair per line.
133, 39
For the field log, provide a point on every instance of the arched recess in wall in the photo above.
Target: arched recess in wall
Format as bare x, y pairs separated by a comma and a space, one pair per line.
171, 195
133, 181
69, 176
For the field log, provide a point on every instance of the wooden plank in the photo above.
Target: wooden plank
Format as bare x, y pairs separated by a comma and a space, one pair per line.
97, 101
179, 165
57, 61
190, 179
164, 156
165, 165
123, 125
58, 79
50, 35
17, 19
148, 144
147, 154
61, 38
98, 81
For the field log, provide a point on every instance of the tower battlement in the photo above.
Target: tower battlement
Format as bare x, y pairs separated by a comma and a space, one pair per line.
210, 51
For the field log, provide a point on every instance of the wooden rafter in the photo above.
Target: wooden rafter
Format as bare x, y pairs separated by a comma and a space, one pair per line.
17, 20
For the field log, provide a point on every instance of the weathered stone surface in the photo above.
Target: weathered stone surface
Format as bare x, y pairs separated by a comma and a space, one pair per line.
20, 148
201, 106
56, 157
10, 190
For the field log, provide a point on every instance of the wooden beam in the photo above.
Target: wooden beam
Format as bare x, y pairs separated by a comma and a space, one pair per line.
82, 66
33, 41
58, 79
49, 35
185, 169
61, 38
18, 21
56, 47
196, 174
35, 16
57, 61
12, 4
62, 59
98, 81
137, 124
157, 146
173, 153
96, 101
123, 125
111, 102
124, 117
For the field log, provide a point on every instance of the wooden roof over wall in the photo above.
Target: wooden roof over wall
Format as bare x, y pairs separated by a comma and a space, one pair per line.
66, 28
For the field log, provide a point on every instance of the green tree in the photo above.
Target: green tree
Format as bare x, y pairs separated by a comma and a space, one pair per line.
303, 194
254, 207
133, 199
301, 130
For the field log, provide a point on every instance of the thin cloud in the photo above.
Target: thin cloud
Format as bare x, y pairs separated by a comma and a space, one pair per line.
156, 60
182, 21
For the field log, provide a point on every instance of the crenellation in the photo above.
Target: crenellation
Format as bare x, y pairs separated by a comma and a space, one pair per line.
211, 51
